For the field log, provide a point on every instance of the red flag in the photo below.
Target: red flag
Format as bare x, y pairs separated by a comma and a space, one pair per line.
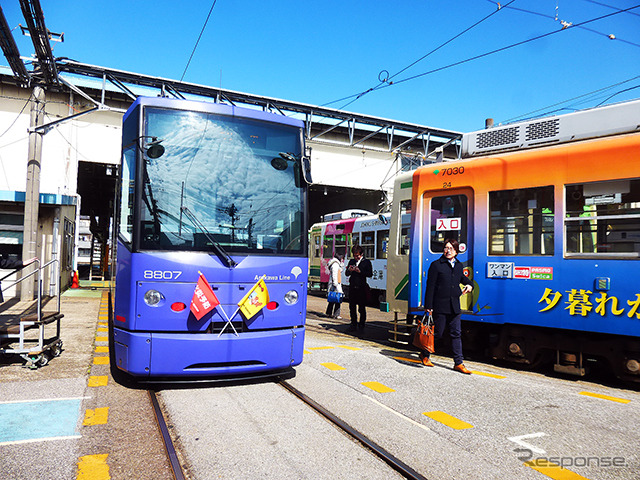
204, 300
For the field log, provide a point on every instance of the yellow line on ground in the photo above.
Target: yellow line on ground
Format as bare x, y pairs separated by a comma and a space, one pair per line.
448, 420
378, 387
102, 339
605, 397
349, 348
332, 366
485, 374
554, 471
306, 351
99, 416
102, 324
405, 359
320, 348
93, 467
102, 349
102, 330
101, 360
98, 381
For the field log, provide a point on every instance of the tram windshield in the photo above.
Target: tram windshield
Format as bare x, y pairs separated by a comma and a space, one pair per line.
212, 181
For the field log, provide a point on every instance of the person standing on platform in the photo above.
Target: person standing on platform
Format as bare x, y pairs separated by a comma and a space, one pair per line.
358, 269
335, 284
442, 300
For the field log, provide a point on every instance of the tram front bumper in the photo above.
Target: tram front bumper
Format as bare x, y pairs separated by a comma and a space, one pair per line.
145, 354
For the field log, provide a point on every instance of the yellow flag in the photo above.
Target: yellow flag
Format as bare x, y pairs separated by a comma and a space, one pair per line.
255, 300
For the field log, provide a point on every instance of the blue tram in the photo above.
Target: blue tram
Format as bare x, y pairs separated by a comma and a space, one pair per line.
215, 192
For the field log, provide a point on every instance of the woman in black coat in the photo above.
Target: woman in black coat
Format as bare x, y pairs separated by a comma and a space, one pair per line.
442, 300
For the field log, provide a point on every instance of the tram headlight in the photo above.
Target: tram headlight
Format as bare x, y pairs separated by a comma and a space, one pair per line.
291, 297
153, 298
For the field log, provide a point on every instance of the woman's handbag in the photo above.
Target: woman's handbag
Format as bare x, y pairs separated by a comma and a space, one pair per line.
334, 296
425, 334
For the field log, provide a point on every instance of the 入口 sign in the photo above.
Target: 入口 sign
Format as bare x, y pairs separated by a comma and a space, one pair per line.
448, 224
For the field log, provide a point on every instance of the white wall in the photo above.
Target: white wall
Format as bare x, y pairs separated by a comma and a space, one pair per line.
92, 138
351, 167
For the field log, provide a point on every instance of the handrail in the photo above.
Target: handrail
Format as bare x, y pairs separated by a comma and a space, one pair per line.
22, 278
38, 270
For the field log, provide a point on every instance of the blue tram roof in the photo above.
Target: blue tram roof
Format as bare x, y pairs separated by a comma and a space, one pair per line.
210, 107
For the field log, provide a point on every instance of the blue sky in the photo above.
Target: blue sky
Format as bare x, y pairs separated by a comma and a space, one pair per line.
320, 52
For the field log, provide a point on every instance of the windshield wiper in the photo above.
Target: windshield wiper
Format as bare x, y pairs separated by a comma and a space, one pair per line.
217, 248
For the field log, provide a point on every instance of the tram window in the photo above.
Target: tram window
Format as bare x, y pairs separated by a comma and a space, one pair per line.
327, 247
521, 221
316, 246
127, 195
368, 244
341, 244
448, 220
381, 244
405, 227
352, 239
603, 218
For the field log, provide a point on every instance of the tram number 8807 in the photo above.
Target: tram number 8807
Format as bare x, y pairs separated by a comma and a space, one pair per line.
161, 274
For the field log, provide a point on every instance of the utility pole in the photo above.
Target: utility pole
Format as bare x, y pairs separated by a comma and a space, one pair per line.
32, 197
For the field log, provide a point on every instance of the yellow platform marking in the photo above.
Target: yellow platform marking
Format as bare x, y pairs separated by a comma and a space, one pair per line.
306, 351
93, 467
98, 381
102, 339
101, 360
554, 471
320, 348
332, 366
605, 397
102, 324
99, 416
485, 374
378, 387
349, 348
405, 359
102, 330
448, 420
102, 349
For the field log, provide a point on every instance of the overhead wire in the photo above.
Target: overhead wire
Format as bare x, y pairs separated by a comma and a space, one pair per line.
517, 44
566, 24
388, 79
198, 41
17, 116
535, 113
610, 6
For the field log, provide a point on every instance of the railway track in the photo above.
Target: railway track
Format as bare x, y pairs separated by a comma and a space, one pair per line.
398, 465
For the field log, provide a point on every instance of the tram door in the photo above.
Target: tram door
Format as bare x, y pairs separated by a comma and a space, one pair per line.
447, 214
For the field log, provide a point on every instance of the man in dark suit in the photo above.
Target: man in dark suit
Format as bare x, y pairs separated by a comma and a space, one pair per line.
358, 269
442, 300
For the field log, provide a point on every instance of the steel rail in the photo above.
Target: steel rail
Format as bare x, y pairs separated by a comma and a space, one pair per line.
394, 462
166, 438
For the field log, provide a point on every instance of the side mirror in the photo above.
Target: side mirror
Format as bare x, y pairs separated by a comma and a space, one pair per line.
306, 169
